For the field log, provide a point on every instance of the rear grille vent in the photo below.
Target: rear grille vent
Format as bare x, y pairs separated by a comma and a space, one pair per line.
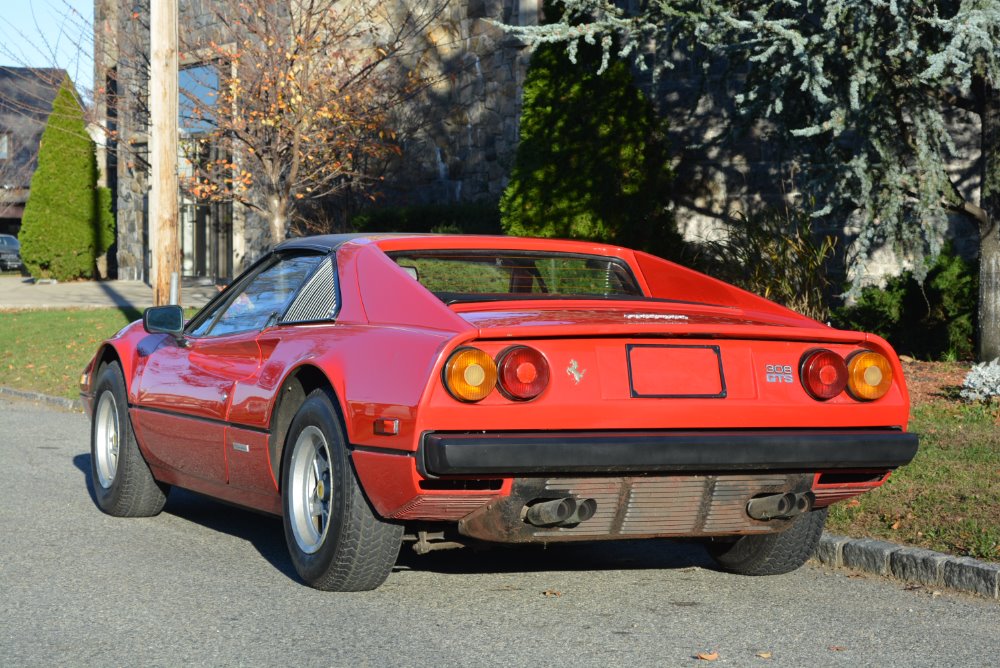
671, 505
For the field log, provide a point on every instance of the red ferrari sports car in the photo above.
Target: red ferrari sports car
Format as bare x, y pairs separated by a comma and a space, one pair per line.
372, 389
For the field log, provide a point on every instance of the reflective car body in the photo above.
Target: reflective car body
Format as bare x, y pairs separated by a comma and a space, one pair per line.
656, 401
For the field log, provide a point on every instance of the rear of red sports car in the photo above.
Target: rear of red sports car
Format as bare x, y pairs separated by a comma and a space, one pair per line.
457, 389
609, 396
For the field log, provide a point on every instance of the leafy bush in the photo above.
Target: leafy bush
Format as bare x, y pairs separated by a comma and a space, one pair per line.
931, 321
592, 162
774, 254
982, 382
474, 218
64, 228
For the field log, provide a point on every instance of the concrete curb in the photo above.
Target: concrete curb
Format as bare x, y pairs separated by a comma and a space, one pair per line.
58, 402
910, 564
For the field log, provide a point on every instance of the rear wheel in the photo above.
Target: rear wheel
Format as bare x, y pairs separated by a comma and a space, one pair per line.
773, 553
123, 483
336, 540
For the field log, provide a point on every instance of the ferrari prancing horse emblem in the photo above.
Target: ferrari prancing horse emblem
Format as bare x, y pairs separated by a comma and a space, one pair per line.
574, 370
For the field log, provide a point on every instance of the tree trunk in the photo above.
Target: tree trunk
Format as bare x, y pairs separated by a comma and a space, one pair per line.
989, 235
277, 216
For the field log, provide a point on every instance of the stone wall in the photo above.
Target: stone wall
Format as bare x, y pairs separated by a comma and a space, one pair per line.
720, 175
458, 135
462, 147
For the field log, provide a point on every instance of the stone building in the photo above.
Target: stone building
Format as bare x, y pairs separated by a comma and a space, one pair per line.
461, 150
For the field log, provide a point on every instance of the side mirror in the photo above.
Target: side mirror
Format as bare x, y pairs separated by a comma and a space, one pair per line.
164, 319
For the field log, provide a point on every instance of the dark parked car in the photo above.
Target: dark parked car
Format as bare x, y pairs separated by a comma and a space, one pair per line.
10, 253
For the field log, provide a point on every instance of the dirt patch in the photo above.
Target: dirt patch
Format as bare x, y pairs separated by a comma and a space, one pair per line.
933, 381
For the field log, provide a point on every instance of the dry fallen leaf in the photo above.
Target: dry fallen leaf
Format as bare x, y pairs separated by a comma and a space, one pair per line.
549, 593
853, 503
763, 655
895, 525
837, 648
707, 656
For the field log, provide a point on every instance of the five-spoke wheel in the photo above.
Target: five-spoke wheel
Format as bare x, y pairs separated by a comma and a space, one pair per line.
310, 489
123, 483
335, 538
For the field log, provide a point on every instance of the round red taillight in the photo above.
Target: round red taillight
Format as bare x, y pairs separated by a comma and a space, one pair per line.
523, 373
823, 374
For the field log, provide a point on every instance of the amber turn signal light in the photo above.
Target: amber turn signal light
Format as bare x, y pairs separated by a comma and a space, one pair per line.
523, 373
869, 375
470, 374
823, 374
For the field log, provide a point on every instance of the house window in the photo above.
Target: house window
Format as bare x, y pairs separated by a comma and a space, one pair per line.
524, 13
199, 90
4, 146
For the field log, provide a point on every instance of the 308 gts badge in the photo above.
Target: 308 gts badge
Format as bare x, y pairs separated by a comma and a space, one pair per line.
779, 373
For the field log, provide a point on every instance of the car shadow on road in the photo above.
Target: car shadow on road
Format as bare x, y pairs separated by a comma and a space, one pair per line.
649, 554
262, 531
265, 534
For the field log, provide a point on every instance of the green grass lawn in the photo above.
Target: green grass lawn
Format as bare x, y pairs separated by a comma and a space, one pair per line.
947, 499
45, 351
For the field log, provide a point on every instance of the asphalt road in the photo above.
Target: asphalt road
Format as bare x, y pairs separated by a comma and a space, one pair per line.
207, 584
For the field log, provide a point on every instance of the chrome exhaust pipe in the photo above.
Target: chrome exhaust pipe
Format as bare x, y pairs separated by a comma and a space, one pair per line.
775, 506
771, 506
585, 509
550, 513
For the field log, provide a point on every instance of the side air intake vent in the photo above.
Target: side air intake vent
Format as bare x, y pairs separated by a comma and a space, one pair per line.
318, 299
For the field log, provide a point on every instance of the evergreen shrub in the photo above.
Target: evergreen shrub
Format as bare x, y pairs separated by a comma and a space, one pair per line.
470, 218
106, 225
934, 321
62, 231
592, 162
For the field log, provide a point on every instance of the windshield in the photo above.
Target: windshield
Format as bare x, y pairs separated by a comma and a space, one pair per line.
486, 275
8, 241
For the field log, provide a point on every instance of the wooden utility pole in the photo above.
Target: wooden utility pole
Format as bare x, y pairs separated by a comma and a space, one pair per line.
163, 205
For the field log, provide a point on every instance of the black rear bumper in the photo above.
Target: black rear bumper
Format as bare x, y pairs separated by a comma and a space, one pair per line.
513, 453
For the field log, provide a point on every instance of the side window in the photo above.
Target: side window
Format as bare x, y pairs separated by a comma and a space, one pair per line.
262, 300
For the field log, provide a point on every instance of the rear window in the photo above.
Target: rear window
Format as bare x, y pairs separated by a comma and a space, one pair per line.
494, 275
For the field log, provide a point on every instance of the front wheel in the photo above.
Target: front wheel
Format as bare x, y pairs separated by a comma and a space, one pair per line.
774, 553
123, 483
335, 539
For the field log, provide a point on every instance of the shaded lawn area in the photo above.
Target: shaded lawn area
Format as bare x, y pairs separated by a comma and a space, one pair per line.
947, 499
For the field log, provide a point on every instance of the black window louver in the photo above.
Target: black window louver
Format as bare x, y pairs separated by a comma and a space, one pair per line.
318, 298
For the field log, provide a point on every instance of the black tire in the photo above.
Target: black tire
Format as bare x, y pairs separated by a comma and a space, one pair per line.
773, 553
123, 484
336, 540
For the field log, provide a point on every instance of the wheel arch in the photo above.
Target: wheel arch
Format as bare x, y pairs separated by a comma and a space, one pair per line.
298, 384
108, 354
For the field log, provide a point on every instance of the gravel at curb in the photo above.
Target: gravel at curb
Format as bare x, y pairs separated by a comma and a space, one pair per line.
58, 402
910, 564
